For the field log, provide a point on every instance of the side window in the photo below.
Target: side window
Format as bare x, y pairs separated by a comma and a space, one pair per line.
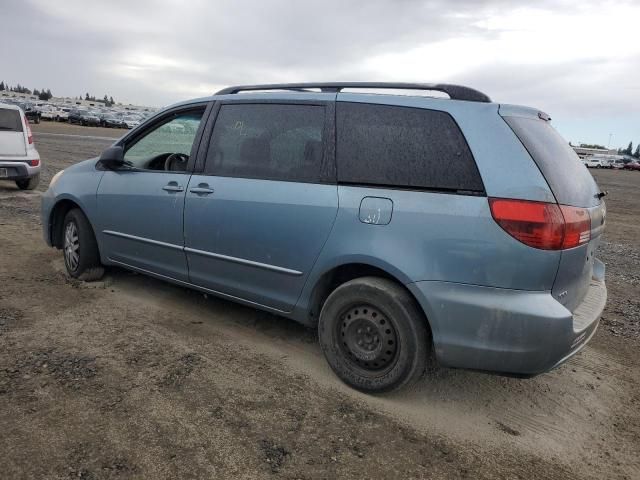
268, 141
403, 147
175, 136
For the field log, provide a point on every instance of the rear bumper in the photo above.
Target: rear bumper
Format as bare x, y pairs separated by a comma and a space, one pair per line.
17, 170
507, 331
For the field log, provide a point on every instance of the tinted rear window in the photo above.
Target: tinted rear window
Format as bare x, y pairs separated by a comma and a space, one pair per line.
568, 178
268, 141
403, 147
10, 121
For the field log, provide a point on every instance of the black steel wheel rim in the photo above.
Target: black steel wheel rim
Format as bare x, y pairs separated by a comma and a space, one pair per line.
367, 338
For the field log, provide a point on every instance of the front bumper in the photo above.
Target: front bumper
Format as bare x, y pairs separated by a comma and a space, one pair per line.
47, 201
507, 331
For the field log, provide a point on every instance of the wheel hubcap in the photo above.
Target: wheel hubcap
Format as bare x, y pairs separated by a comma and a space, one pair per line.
72, 246
367, 337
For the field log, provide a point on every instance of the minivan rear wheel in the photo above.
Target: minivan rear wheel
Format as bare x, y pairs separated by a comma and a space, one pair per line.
373, 335
81, 255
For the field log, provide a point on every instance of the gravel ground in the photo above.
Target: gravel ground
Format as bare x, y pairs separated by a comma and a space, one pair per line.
133, 378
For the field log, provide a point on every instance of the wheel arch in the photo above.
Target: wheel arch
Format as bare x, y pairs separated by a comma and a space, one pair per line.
332, 278
56, 219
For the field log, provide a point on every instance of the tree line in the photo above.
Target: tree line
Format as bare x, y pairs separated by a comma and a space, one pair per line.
629, 150
45, 94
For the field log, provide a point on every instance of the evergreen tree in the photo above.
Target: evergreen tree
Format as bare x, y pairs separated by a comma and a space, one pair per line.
637, 152
2, 87
629, 149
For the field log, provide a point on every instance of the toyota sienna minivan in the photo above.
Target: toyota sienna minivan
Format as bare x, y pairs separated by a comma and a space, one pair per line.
403, 228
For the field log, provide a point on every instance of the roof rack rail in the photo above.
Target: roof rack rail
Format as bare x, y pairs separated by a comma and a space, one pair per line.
455, 92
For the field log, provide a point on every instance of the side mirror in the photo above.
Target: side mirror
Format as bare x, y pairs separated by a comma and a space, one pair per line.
112, 158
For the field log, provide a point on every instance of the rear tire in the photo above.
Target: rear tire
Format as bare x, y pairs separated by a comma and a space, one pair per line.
374, 335
81, 255
29, 183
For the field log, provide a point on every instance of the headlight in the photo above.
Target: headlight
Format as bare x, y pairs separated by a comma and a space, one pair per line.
55, 178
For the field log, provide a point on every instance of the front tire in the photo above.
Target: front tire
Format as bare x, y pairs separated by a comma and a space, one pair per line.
29, 183
81, 255
374, 335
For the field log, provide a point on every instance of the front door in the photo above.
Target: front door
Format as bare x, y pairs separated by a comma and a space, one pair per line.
257, 218
141, 205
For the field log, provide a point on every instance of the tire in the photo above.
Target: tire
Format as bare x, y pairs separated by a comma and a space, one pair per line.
80, 249
29, 183
374, 335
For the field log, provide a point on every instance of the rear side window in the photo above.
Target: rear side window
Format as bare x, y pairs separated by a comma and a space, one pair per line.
569, 180
268, 141
10, 121
403, 147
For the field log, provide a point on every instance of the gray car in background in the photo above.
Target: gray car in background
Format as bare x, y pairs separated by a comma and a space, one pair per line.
401, 227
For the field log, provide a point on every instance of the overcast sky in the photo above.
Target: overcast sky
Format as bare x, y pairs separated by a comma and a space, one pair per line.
578, 60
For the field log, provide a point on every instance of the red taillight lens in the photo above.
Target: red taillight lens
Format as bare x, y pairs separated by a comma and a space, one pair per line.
34, 163
546, 226
577, 223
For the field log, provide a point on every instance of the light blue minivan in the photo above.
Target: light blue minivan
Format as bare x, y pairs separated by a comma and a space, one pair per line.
403, 227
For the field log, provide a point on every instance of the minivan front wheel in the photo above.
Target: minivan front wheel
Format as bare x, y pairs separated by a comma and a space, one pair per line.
81, 256
373, 335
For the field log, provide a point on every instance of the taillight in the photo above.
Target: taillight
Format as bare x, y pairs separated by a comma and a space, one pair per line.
577, 230
29, 134
542, 225
34, 163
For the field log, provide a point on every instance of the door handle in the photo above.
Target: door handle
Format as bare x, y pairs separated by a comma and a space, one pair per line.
173, 187
201, 189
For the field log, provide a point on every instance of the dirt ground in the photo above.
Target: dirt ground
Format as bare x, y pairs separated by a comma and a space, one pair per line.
135, 378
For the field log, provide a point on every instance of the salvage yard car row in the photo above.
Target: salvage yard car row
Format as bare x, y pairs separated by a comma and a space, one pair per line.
110, 117
618, 162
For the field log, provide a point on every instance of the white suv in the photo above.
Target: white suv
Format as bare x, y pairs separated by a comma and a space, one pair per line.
19, 159
594, 162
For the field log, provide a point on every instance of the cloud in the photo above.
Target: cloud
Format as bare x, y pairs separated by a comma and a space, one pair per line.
563, 56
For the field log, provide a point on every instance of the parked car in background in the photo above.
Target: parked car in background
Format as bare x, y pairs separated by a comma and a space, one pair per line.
111, 121
594, 162
75, 116
47, 112
618, 163
19, 159
63, 114
30, 112
92, 119
634, 165
131, 121
401, 227
89, 119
